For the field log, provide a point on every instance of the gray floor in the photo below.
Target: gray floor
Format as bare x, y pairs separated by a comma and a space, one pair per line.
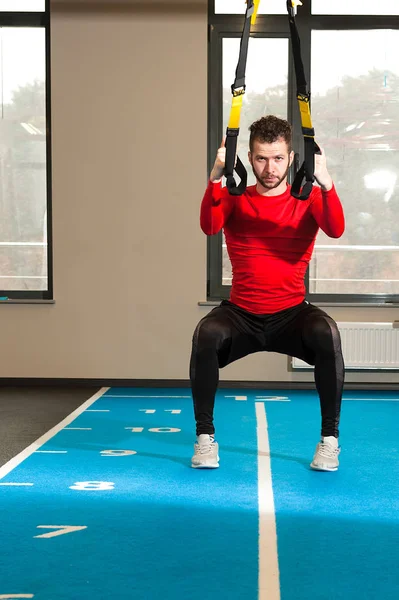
27, 413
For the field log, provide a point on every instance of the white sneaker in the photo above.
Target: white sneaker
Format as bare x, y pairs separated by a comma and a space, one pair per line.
206, 453
326, 456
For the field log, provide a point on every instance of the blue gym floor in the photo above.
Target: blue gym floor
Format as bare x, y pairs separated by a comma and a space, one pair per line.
108, 507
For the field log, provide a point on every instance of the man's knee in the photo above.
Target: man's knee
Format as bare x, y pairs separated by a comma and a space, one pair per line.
322, 335
211, 333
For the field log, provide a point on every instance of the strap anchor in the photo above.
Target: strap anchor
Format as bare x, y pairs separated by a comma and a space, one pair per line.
238, 92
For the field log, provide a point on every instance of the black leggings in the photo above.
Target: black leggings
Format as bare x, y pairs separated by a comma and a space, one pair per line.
228, 333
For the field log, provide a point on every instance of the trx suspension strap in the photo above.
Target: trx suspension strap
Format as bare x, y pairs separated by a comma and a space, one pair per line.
238, 91
303, 96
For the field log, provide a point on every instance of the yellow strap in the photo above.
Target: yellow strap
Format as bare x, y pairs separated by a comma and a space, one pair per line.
295, 3
236, 104
254, 14
304, 109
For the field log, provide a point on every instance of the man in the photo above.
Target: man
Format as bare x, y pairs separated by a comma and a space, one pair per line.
270, 237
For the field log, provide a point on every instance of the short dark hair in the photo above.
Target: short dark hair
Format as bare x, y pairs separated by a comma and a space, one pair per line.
268, 129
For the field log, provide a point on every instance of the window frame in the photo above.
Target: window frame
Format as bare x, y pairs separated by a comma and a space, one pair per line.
41, 20
222, 25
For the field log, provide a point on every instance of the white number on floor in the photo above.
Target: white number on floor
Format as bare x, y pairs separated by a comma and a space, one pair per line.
92, 486
62, 529
164, 429
5, 596
274, 398
151, 411
135, 429
117, 452
154, 429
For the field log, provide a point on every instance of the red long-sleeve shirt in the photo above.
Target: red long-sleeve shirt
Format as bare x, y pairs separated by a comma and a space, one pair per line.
270, 241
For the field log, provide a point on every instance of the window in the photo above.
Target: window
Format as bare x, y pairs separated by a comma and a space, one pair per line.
355, 7
22, 5
356, 109
265, 92
353, 75
25, 238
231, 7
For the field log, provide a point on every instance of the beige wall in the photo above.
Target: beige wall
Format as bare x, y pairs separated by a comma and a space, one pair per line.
129, 110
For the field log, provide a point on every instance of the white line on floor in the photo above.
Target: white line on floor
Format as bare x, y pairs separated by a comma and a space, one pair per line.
269, 582
94, 410
77, 429
51, 452
9, 596
372, 399
14, 462
273, 398
15, 484
141, 396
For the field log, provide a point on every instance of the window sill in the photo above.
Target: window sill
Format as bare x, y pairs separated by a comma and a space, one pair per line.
331, 304
26, 301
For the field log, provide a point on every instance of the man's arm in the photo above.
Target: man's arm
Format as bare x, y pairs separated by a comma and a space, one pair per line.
217, 204
326, 206
321, 173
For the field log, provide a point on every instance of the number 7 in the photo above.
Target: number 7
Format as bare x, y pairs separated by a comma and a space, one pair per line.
62, 529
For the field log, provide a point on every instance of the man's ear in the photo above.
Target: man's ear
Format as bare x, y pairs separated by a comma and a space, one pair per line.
250, 157
292, 154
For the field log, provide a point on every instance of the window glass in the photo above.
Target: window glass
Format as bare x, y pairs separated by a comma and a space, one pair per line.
355, 7
266, 93
232, 7
23, 231
22, 5
355, 112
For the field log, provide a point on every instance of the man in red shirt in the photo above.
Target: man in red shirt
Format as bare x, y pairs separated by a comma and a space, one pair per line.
270, 237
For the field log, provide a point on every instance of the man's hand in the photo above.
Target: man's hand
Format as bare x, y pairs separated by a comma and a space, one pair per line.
220, 161
321, 174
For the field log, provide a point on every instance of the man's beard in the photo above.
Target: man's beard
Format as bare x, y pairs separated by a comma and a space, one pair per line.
271, 186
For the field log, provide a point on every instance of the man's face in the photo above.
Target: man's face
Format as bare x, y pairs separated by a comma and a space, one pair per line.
270, 162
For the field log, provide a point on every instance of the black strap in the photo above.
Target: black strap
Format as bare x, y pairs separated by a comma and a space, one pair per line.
232, 164
239, 81
302, 86
238, 89
306, 172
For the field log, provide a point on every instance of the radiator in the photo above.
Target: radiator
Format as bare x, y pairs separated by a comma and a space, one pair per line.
366, 346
